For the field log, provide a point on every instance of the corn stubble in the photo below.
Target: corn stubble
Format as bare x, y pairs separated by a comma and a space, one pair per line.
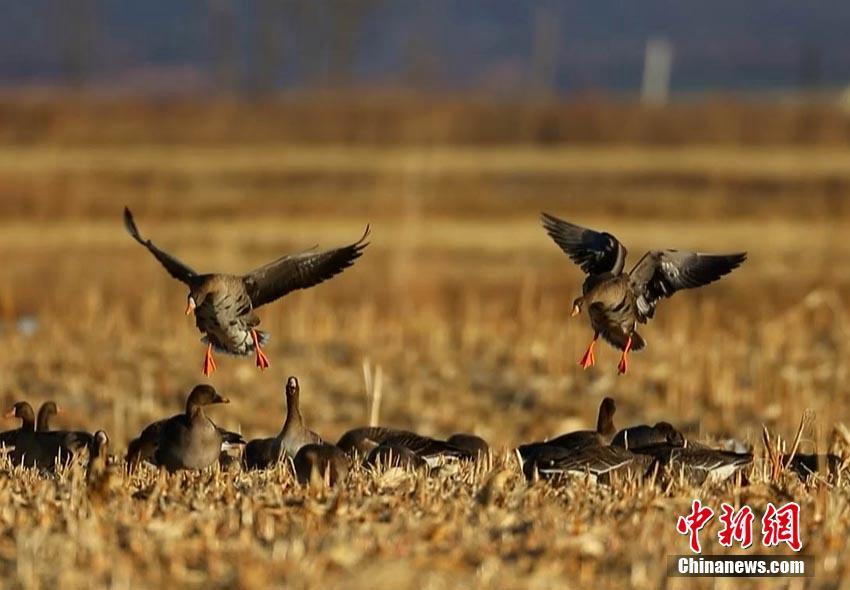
459, 323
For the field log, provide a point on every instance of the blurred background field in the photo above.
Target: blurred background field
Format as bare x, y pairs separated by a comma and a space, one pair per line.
461, 301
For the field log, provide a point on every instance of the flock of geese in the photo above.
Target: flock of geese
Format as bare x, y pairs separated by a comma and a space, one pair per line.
192, 441
224, 306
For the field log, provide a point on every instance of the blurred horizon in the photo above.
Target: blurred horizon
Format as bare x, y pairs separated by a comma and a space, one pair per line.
498, 48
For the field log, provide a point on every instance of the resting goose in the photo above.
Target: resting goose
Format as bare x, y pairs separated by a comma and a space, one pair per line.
185, 441
579, 439
361, 441
389, 455
42, 449
642, 436
471, 443
699, 464
314, 462
45, 413
599, 462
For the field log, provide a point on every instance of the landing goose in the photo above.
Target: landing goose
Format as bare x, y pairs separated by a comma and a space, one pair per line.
616, 301
224, 304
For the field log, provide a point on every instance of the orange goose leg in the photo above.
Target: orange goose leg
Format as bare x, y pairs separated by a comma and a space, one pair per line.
209, 362
589, 358
624, 359
262, 359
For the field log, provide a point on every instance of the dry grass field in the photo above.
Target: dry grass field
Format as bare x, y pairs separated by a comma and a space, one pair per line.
461, 303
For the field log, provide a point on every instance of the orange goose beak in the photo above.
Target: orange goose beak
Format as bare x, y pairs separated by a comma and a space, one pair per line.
576, 311
190, 306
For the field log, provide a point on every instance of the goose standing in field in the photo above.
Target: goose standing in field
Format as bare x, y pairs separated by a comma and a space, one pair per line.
262, 453
579, 439
185, 441
224, 304
617, 301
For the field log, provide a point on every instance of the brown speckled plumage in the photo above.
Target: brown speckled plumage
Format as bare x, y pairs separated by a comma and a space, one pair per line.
617, 302
224, 304
185, 441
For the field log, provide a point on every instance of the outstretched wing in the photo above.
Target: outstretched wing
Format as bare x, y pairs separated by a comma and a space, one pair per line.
300, 271
660, 273
175, 268
595, 252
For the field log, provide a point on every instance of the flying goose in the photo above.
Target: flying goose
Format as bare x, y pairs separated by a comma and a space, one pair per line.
617, 301
224, 304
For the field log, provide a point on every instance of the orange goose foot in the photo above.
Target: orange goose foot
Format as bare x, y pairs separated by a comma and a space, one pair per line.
209, 362
589, 357
624, 358
262, 359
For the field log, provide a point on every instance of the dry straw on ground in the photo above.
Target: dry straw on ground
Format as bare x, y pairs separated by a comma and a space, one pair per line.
460, 305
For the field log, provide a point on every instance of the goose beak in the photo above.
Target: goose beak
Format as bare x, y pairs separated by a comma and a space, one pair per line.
9, 414
190, 306
576, 311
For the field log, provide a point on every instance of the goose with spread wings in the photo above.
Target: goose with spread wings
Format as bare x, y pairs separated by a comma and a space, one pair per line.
617, 301
224, 304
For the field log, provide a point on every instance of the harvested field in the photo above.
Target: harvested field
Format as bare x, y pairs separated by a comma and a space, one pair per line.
461, 303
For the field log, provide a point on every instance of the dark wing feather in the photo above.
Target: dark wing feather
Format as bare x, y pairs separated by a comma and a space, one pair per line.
300, 271
175, 268
594, 460
660, 273
595, 252
230, 437
425, 446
